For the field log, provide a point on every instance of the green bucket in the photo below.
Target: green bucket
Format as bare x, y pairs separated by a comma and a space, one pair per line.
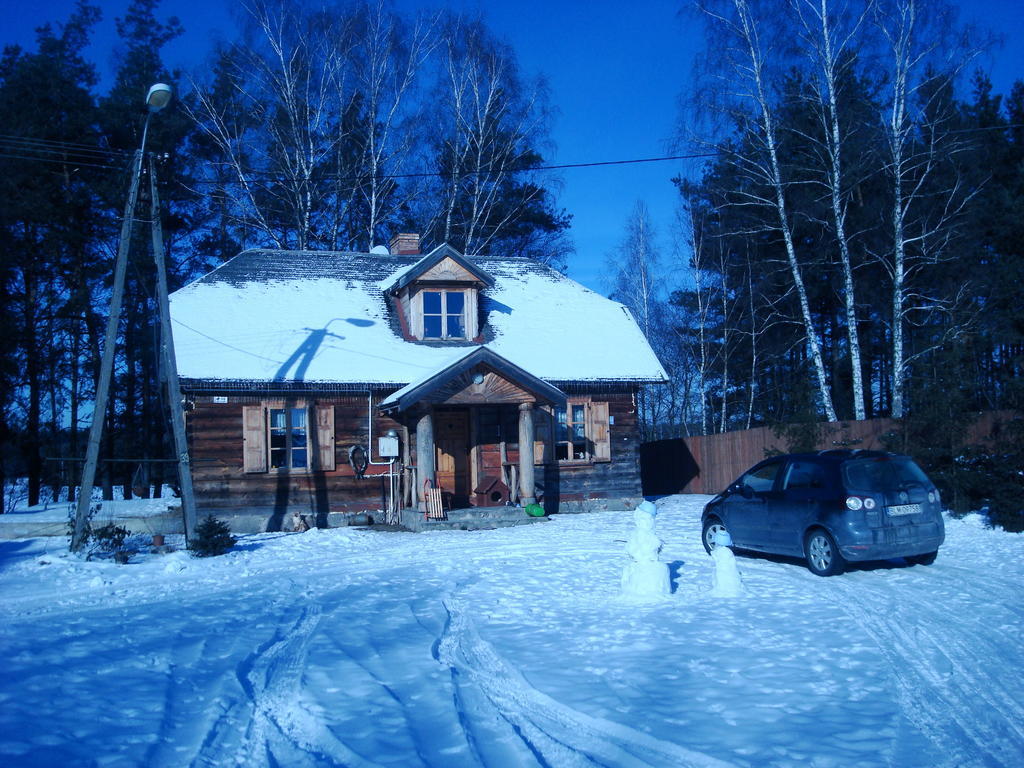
535, 510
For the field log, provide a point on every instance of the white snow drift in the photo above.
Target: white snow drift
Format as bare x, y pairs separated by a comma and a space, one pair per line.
511, 647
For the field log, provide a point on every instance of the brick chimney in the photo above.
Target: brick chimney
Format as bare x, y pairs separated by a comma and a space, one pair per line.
405, 244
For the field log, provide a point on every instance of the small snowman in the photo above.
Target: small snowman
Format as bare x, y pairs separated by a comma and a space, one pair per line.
725, 581
644, 576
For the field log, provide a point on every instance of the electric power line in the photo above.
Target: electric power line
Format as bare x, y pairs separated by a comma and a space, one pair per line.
58, 161
46, 146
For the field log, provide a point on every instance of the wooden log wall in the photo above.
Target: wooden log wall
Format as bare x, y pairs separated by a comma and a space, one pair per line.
619, 479
215, 443
215, 434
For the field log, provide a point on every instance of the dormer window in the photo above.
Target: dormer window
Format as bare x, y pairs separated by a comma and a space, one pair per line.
437, 299
444, 314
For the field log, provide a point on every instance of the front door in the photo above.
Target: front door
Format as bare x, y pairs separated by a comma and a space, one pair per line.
451, 437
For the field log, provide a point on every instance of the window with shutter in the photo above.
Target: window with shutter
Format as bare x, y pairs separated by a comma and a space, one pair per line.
581, 432
292, 436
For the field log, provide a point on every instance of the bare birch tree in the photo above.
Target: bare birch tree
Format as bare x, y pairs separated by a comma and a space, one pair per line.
744, 81
490, 123
631, 277
386, 63
273, 116
921, 56
829, 37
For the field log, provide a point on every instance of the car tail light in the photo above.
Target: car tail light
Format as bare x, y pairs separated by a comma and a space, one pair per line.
869, 503
854, 503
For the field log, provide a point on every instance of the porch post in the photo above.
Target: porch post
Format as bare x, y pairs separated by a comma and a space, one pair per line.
424, 454
526, 488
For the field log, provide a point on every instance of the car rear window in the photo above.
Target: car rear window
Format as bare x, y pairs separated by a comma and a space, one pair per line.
883, 474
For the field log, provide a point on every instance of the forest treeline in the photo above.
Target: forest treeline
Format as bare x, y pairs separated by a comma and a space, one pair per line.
312, 126
853, 246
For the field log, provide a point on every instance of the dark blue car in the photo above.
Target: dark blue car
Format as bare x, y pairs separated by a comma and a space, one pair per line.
831, 507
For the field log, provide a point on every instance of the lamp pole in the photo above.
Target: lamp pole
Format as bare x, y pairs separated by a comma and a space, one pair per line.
157, 98
170, 365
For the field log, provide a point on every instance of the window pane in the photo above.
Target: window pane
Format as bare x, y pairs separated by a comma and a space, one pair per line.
277, 418
577, 432
431, 327
762, 479
277, 457
561, 452
577, 414
579, 452
455, 302
560, 415
432, 302
278, 438
804, 474
455, 329
299, 458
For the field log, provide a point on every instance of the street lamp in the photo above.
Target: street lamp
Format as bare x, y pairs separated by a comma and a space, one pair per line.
158, 97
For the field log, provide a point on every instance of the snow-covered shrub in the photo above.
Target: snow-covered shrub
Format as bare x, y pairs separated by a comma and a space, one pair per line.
213, 537
110, 538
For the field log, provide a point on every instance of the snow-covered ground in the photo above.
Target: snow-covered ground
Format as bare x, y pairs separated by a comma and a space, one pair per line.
510, 647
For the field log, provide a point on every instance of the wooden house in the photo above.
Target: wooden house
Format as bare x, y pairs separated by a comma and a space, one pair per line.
337, 382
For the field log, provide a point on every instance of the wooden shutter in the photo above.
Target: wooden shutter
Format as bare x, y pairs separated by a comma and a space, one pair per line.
597, 430
542, 451
254, 438
325, 437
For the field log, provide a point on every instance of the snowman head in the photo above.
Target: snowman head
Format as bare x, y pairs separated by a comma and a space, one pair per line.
649, 508
643, 520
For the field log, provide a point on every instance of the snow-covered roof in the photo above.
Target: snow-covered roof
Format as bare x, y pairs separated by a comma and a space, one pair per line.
323, 317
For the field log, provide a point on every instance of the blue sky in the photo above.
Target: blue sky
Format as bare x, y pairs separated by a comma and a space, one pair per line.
615, 72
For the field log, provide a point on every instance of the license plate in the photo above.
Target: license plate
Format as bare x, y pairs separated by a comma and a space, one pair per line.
903, 509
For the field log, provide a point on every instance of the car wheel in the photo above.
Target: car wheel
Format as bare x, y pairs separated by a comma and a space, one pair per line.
711, 528
925, 559
823, 558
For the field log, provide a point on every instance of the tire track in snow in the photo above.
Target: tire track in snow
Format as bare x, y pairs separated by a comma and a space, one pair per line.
554, 733
280, 727
943, 684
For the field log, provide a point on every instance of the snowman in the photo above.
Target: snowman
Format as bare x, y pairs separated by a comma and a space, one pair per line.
725, 581
643, 575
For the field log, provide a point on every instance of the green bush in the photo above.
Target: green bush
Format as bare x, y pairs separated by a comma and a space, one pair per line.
985, 478
213, 537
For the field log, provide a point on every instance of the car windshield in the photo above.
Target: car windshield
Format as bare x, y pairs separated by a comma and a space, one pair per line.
883, 474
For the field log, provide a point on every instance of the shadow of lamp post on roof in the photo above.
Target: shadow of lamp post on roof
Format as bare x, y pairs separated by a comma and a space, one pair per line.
307, 351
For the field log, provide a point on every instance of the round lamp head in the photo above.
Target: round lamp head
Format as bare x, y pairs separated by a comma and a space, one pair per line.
159, 96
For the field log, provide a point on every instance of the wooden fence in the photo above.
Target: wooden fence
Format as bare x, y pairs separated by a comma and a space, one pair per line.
708, 463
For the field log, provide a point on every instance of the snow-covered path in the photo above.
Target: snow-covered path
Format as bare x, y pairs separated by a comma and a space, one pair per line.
508, 648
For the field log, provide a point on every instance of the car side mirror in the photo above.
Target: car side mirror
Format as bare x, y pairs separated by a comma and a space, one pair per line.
746, 491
